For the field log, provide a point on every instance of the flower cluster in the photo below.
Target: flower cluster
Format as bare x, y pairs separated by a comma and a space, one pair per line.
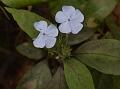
70, 20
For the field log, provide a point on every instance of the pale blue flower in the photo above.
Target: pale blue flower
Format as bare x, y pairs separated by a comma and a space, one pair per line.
70, 20
47, 35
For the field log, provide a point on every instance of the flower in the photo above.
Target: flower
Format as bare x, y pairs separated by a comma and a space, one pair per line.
46, 37
70, 20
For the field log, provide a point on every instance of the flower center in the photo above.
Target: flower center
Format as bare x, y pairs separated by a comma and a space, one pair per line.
44, 34
69, 20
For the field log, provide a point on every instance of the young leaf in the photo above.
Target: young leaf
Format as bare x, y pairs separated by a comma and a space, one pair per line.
30, 51
82, 36
77, 75
25, 19
21, 3
58, 81
103, 55
36, 78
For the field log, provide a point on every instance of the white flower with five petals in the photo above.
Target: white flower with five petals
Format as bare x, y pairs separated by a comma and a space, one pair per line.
70, 20
47, 35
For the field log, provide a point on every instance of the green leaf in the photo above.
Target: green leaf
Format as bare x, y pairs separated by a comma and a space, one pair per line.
58, 81
101, 81
97, 11
82, 36
21, 3
114, 28
105, 82
77, 75
25, 20
36, 78
116, 82
28, 50
103, 55
101, 9
96, 76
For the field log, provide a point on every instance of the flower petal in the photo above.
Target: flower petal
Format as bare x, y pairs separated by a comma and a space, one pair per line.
39, 42
50, 42
65, 27
77, 16
76, 27
60, 17
40, 26
52, 31
68, 10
